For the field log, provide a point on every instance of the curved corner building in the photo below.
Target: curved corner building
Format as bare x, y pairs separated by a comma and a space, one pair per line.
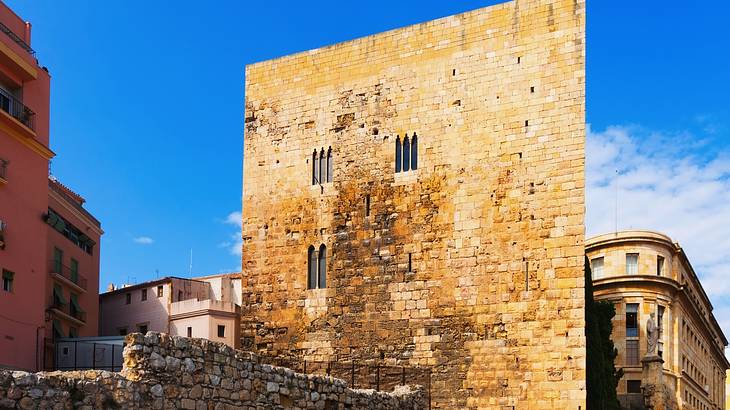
641, 272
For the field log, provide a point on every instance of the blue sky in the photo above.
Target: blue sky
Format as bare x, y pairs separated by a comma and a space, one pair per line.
147, 115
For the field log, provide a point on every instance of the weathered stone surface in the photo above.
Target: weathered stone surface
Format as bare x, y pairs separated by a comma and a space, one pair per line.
153, 383
473, 263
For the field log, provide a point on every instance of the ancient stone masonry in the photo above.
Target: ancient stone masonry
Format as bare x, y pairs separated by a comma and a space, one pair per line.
180, 373
471, 264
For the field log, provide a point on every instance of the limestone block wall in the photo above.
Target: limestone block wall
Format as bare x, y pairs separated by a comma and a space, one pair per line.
180, 373
473, 263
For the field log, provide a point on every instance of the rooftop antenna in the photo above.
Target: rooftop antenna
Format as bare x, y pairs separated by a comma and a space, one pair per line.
157, 273
190, 272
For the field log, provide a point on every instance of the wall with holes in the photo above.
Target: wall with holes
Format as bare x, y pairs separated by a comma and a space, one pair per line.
472, 263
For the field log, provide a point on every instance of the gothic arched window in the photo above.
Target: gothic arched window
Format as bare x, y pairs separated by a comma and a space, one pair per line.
329, 164
322, 167
406, 154
414, 151
322, 267
315, 168
311, 268
398, 153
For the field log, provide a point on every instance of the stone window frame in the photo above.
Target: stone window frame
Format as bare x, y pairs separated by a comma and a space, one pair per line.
322, 166
406, 153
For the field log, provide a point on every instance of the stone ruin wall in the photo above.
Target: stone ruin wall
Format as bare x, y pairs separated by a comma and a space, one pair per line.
163, 372
492, 221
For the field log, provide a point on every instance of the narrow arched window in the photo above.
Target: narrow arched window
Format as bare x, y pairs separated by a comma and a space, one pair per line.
322, 267
397, 154
406, 154
311, 268
414, 151
329, 164
322, 167
315, 168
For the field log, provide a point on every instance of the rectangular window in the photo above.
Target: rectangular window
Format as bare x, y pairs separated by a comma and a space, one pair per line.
632, 263
159, 291
74, 270
632, 352
179, 295
144, 295
190, 331
8, 278
632, 320
597, 268
57, 260
221, 331
660, 266
142, 328
128, 298
122, 331
633, 386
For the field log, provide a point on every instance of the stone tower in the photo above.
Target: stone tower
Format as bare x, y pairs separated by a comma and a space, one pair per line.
472, 263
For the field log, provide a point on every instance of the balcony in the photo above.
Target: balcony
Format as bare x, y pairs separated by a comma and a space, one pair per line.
67, 311
15, 108
16, 39
67, 276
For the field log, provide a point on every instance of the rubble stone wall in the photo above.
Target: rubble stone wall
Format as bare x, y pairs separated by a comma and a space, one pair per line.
472, 264
180, 373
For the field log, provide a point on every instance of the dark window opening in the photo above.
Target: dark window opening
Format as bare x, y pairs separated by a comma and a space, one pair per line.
315, 167
527, 123
311, 268
123, 331
367, 205
71, 232
144, 294
142, 328
453, 72
633, 386
179, 295
532, 89
632, 352
398, 152
406, 154
329, 164
410, 262
322, 273
519, 60
660, 265
322, 167
414, 151
221, 331
190, 331
159, 291
8, 278
632, 320
128, 298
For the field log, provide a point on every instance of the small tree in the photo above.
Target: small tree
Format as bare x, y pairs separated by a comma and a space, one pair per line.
601, 375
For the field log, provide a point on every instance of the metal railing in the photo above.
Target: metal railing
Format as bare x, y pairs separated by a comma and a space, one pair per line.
68, 273
82, 355
361, 375
67, 308
16, 39
16, 109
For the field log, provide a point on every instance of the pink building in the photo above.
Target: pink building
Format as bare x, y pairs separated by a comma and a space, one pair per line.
24, 156
49, 252
206, 307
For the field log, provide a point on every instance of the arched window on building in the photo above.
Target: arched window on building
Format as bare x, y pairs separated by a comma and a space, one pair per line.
315, 168
406, 154
322, 266
414, 151
329, 164
322, 167
398, 153
311, 268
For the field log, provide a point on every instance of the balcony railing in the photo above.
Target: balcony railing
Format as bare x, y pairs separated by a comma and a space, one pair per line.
16, 109
16, 39
67, 309
67, 273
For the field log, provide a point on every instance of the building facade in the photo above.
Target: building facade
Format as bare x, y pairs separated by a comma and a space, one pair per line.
72, 280
24, 157
642, 273
207, 307
416, 197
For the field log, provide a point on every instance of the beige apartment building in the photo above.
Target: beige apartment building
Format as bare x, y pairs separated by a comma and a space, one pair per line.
206, 307
641, 273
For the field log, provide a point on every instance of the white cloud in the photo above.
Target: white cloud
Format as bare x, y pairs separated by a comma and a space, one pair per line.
235, 245
676, 184
144, 240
